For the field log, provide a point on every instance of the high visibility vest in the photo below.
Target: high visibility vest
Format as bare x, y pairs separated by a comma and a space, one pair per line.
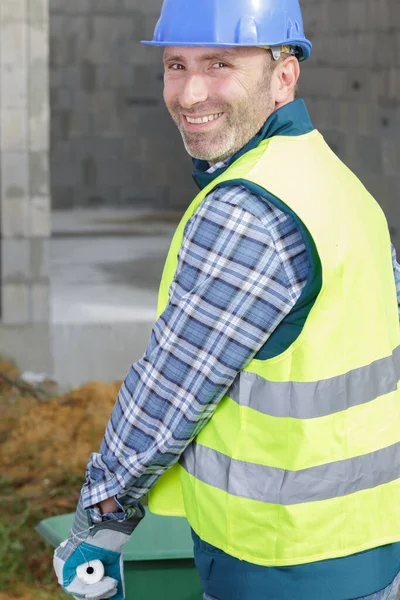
301, 460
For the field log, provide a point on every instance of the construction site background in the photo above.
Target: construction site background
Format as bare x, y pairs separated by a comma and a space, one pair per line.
114, 144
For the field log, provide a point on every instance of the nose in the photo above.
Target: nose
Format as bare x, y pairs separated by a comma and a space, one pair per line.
193, 92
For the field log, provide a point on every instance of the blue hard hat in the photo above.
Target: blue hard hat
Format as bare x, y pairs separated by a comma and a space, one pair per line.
232, 23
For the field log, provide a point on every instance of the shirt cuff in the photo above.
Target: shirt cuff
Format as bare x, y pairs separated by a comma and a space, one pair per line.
98, 517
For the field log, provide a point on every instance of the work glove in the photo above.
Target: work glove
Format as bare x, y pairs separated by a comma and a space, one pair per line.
89, 563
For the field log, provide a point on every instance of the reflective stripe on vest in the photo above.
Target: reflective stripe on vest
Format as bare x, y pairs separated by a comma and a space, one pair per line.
308, 400
300, 461
279, 486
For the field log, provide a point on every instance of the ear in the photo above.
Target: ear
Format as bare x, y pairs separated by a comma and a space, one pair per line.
284, 81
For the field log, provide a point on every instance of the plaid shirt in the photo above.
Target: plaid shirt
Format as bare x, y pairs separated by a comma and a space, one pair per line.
241, 269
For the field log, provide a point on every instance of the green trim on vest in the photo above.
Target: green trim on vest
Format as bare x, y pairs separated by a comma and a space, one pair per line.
292, 325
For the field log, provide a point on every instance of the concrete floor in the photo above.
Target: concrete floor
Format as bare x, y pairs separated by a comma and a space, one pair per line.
105, 268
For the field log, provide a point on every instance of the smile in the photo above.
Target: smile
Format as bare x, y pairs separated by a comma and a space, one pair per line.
206, 119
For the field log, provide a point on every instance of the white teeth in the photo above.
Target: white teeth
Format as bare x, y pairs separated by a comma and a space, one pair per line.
204, 119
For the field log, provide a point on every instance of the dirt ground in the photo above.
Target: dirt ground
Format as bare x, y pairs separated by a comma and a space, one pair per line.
41, 437
45, 444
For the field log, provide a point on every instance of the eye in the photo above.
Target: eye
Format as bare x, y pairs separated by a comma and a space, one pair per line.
219, 65
176, 67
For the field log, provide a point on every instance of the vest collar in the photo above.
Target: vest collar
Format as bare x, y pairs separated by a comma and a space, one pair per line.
290, 120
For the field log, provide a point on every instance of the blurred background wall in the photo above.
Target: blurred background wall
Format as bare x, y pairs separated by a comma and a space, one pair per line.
112, 139
113, 142
25, 223
352, 88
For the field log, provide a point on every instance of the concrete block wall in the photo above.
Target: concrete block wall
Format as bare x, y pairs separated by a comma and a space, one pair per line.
352, 88
112, 140
24, 172
114, 144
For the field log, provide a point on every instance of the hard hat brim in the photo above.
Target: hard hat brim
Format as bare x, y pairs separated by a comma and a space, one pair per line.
305, 45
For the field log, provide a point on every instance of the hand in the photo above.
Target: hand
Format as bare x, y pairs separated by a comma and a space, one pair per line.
101, 545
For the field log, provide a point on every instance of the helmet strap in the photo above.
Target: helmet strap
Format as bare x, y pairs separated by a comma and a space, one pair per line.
276, 51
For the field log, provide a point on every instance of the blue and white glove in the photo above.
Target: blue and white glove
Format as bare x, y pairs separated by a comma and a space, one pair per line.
89, 564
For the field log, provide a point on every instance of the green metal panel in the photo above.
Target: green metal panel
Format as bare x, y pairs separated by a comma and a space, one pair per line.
158, 559
162, 580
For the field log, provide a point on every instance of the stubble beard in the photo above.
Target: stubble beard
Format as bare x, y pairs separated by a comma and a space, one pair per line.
241, 124
211, 147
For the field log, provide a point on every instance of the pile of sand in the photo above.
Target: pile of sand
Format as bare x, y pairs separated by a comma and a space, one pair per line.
40, 438
45, 444
8, 368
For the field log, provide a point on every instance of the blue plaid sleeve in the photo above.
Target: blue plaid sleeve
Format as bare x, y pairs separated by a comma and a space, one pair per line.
241, 269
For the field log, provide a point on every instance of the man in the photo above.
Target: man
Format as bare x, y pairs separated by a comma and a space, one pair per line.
266, 407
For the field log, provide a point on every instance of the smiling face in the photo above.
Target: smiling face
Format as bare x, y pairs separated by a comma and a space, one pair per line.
219, 98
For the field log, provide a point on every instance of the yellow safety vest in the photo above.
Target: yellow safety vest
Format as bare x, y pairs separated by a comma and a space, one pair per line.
301, 460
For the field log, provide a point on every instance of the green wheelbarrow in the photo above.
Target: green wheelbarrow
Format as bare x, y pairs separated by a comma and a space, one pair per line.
158, 560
